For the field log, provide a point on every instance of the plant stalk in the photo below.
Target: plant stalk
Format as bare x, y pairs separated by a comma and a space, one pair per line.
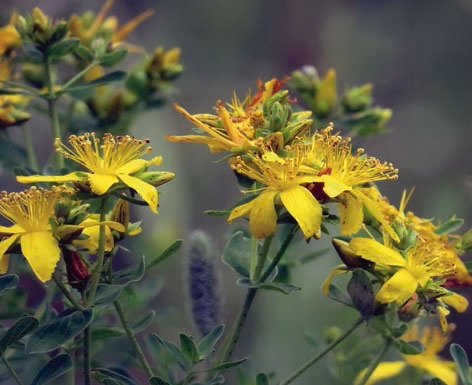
132, 338
32, 160
373, 365
320, 355
12, 371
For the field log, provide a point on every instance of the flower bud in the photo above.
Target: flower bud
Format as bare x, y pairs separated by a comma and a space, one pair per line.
357, 98
350, 259
77, 272
325, 98
155, 178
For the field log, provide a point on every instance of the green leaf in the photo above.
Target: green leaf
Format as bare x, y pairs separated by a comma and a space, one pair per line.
131, 274
217, 213
262, 379
84, 53
335, 293
284, 288
19, 329
144, 322
107, 293
63, 47
207, 344
7, 91
237, 254
462, 362
105, 333
172, 349
361, 293
54, 368
449, 226
108, 376
410, 347
168, 251
8, 281
54, 333
111, 59
157, 381
115, 76
188, 348
225, 365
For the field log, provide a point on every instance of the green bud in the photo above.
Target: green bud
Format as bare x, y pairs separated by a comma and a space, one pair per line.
357, 98
465, 242
155, 178
278, 117
110, 59
59, 31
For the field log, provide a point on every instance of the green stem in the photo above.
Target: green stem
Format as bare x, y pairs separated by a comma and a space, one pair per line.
261, 258
67, 293
251, 293
132, 338
87, 356
52, 99
11, 370
32, 160
280, 253
78, 75
100, 254
320, 355
373, 365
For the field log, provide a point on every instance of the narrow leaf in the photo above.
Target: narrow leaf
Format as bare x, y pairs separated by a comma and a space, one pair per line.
19, 329
105, 375
157, 381
54, 368
169, 251
172, 349
107, 293
334, 292
207, 344
188, 348
63, 47
449, 226
8, 281
226, 365
410, 347
115, 76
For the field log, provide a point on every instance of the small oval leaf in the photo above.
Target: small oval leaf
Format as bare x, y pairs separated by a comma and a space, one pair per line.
54, 368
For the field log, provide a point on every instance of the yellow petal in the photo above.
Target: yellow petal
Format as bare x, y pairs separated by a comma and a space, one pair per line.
332, 186
73, 176
240, 210
91, 243
4, 245
132, 167
14, 229
351, 214
306, 210
213, 144
456, 301
376, 252
42, 253
263, 218
398, 288
341, 269
384, 370
444, 370
101, 183
147, 191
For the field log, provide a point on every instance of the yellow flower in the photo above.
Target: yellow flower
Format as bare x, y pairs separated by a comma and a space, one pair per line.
114, 164
30, 212
89, 27
284, 180
344, 175
235, 127
428, 361
420, 265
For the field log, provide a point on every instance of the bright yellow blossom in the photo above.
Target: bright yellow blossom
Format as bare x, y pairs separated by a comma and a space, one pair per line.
89, 27
114, 163
418, 266
30, 212
235, 126
283, 180
344, 176
428, 361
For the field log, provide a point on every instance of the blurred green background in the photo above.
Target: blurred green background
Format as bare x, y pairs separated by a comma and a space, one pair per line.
416, 53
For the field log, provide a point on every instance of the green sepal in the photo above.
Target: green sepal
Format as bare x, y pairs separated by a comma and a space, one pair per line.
410, 347
111, 59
